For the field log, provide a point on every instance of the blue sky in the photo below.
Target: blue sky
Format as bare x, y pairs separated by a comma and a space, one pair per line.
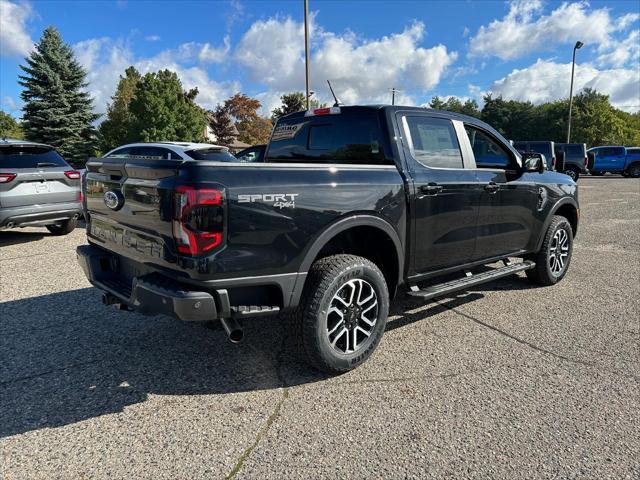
520, 49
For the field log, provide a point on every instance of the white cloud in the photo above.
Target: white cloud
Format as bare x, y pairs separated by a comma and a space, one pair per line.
9, 104
624, 52
525, 29
361, 70
14, 38
105, 60
209, 54
152, 38
546, 81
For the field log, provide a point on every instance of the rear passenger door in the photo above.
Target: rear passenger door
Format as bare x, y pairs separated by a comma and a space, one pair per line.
444, 194
508, 201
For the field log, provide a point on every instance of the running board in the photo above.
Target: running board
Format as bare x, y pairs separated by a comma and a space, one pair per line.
469, 281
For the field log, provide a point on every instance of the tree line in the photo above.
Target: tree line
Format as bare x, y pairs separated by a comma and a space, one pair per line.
58, 111
594, 120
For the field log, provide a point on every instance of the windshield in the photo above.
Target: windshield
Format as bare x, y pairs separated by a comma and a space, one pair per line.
211, 154
21, 156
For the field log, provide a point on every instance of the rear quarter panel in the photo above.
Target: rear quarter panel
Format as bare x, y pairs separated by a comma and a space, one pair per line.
276, 211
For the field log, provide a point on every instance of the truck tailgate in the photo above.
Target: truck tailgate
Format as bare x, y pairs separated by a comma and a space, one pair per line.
129, 206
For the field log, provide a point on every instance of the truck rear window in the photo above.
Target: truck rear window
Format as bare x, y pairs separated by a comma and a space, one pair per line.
574, 151
212, 155
15, 156
347, 138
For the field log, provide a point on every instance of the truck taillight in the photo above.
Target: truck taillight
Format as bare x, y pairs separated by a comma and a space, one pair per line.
72, 174
7, 177
586, 161
198, 219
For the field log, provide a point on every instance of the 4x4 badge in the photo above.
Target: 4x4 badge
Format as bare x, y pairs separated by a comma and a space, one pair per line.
113, 199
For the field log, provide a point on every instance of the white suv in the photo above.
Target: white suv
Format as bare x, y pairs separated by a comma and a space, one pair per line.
173, 151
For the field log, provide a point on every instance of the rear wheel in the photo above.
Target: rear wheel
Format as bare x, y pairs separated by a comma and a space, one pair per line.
342, 314
634, 170
63, 228
553, 258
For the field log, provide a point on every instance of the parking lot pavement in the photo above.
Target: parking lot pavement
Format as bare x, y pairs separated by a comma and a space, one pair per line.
503, 381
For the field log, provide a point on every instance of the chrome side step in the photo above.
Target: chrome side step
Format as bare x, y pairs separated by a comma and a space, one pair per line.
470, 280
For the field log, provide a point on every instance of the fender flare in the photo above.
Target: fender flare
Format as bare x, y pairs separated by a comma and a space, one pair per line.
560, 203
345, 224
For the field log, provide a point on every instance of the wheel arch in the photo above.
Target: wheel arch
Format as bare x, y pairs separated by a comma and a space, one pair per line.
361, 235
565, 207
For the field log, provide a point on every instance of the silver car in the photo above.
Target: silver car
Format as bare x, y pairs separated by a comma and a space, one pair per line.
37, 188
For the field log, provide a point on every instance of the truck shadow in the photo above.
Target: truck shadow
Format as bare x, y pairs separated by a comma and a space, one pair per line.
65, 358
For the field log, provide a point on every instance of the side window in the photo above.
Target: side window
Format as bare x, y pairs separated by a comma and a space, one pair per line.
121, 152
633, 151
248, 156
619, 151
433, 142
487, 151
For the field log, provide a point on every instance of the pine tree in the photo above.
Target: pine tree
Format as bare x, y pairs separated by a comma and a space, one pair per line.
162, 110
222, 126
116, 128
57, 110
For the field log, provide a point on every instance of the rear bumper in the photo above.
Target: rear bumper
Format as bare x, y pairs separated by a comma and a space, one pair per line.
152, 293
35, 215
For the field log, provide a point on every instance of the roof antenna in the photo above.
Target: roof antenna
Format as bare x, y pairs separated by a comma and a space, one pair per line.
337, 104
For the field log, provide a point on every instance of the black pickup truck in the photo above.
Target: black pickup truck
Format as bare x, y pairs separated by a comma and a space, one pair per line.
352, 205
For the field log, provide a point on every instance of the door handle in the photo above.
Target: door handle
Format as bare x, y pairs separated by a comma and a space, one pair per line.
431, 189
492, 187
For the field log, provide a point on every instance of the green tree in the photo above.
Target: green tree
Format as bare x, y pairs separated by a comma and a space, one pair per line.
222, 126
162, 110
57, 110
453, 104
116, 129
9, 127
294, 102
595, 121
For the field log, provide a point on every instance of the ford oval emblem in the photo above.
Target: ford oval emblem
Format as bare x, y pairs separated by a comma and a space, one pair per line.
113, 199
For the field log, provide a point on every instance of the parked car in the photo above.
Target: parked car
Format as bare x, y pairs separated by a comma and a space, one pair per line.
37, 188
352, 205
571, 158
172, 151
543, 147
252, 154
616, 159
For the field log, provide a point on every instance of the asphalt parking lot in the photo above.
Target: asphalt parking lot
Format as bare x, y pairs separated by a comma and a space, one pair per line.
503, 381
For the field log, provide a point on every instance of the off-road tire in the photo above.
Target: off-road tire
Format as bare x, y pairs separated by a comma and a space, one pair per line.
63, 228
542, 273
574, 173
634, 170
309, 321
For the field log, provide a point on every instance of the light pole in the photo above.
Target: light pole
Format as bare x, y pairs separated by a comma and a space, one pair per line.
306, 47
577, 46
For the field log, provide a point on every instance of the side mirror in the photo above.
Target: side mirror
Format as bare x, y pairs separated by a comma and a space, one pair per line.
533, 162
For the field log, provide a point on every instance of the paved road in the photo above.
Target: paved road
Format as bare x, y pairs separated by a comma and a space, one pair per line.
505, 381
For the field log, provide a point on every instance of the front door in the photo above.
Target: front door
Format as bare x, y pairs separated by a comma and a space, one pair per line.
508, 202
444, 195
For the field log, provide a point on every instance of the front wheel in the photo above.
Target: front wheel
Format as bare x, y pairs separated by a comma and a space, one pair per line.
553, 258
63, 228
343, 312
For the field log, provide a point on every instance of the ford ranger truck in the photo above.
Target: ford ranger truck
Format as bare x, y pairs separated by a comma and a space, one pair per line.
351, 206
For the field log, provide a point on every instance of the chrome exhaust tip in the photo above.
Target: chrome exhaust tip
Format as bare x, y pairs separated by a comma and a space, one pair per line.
233, 329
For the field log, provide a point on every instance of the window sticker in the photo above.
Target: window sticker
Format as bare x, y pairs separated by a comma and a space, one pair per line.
285, 132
